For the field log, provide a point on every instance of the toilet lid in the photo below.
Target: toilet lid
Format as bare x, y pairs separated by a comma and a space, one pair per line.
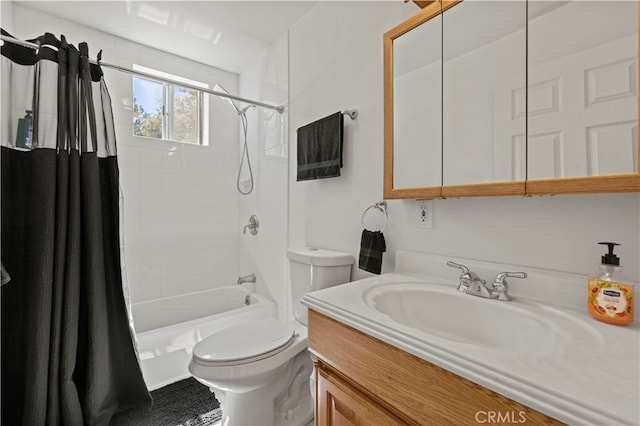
245, 342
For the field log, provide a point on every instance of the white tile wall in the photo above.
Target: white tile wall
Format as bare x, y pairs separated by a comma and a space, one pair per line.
265, 254
181, 207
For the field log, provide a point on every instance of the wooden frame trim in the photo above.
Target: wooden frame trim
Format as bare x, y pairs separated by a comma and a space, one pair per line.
585, 185
421, 3
484, 189
425, 193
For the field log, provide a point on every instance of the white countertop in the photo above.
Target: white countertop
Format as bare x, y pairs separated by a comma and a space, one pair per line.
593, 381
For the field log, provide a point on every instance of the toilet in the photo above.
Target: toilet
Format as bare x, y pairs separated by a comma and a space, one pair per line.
260, 370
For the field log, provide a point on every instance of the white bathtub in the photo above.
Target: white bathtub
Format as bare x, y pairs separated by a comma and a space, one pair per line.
167, 329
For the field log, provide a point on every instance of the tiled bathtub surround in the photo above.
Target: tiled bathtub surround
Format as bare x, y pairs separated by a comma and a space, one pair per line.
180, 217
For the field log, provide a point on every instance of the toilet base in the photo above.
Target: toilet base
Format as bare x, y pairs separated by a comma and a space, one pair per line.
285, 401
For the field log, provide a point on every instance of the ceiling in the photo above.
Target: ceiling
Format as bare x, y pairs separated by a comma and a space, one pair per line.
224, 34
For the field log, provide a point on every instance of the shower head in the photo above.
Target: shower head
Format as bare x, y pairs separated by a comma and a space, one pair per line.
219, 88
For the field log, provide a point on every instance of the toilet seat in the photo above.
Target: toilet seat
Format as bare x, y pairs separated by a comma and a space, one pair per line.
244, 343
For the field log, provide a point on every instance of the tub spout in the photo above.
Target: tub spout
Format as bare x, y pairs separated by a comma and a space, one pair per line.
247, 279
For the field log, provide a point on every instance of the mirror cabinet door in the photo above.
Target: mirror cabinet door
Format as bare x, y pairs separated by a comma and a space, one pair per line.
484, 80
583, 88
417, 106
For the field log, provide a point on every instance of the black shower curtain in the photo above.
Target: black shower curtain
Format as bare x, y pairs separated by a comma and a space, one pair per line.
68, 356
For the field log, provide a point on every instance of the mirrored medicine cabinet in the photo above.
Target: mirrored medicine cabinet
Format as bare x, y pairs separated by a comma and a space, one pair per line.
512, 98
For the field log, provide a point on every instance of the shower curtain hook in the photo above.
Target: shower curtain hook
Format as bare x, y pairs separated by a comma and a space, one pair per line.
353, 113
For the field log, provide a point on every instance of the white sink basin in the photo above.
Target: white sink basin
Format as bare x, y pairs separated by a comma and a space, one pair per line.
447, 313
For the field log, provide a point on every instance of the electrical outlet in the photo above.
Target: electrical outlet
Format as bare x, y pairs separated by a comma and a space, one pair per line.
424, 217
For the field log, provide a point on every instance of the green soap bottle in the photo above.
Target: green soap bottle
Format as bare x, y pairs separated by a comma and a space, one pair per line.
25, 131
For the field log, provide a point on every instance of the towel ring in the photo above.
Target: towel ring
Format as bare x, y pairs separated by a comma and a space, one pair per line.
382, 207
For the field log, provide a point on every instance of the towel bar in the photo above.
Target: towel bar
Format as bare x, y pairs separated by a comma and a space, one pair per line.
353, 113
382, 207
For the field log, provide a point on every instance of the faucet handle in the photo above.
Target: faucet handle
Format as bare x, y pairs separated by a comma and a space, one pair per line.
253, 225
464, 269
468, 279
500, 286
503, 275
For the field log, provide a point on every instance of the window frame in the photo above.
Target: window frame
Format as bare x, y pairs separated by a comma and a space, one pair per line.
168, 105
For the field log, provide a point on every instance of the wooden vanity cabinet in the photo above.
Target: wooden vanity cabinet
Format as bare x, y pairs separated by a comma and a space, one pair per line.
361, 380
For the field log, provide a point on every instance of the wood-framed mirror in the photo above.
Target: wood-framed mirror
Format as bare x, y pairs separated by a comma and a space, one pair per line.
522, 138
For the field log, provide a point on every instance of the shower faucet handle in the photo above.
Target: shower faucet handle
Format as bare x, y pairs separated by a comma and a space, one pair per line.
253, 225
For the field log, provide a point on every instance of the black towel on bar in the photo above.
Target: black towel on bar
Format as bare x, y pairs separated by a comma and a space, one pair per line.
320, 148
372, 245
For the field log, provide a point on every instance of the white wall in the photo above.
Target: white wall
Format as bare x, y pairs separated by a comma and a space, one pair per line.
335, 63
264, 254
181, 206
6, 16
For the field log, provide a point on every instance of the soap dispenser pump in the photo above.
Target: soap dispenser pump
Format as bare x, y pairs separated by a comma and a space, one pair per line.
610, 297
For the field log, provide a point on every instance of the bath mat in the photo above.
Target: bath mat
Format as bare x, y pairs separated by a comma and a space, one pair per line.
184, 403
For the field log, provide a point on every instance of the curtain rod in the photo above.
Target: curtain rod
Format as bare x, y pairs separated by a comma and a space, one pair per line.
35, 46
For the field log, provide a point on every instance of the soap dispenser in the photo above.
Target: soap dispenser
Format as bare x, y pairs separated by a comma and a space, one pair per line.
610, 297
25, 131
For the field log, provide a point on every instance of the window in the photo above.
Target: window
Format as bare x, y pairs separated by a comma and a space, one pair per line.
168, 111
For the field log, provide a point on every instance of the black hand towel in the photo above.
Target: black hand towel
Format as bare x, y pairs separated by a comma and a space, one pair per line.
320, 148
372, 245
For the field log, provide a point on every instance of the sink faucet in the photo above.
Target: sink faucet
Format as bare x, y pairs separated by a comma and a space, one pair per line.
500, 285
470, 282
247, 279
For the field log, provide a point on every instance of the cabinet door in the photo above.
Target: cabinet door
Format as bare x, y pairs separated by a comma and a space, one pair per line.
413, 106
339, 404
417, 106
582, 93
484, 42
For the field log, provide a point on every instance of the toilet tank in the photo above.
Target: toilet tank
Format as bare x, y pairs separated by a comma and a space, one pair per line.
313, 269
